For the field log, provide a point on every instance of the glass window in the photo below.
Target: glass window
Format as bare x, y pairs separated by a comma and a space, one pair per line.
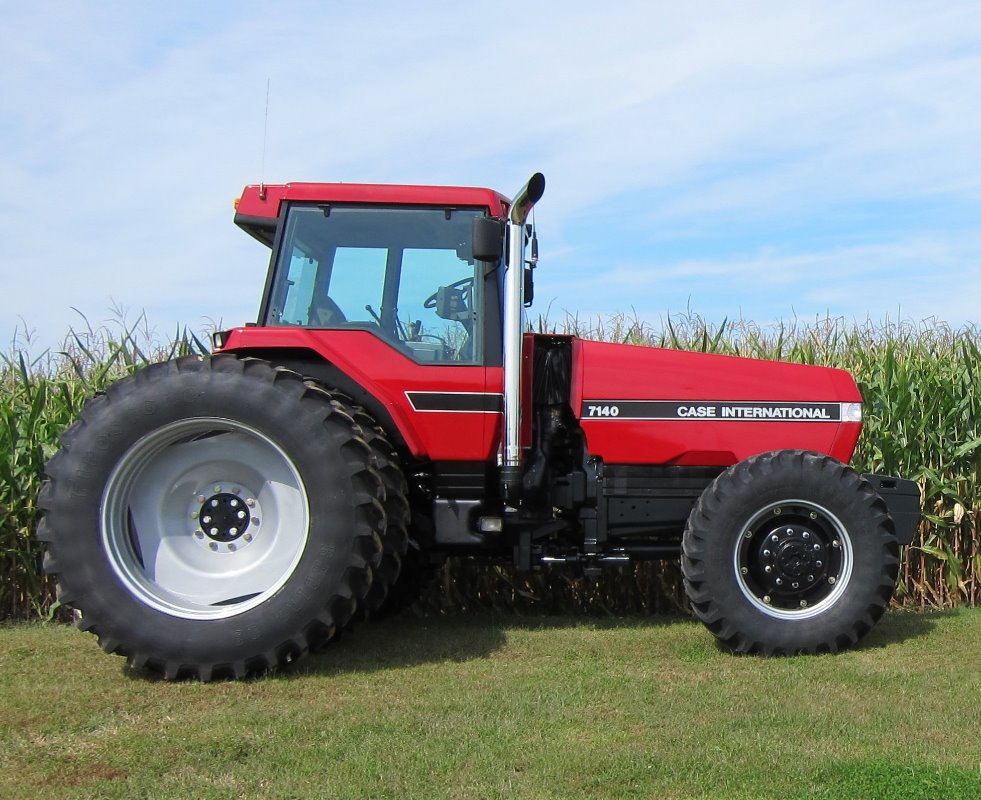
404, 274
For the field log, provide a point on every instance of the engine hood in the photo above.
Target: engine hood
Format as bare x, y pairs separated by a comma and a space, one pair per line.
645, 405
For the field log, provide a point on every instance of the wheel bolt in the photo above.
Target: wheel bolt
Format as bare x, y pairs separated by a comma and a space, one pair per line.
766, 599
744, 570
214, 503
795, 585
233, 503
810, 578
201, 498
779, 581
835, 543
248, 537
803, 604
806, 535
813, 515
777, 511
774, 538
255, 520
213, 545
241, 515
217, 489
194, 515
749, 534
766, 552
818, 563
832, 580
768, 568
817, 546
214, 531
199, 534
789, 531
233, 531
231, 547
250, 502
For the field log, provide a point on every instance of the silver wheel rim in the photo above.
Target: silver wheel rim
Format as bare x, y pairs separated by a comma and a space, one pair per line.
204, 518
811, 573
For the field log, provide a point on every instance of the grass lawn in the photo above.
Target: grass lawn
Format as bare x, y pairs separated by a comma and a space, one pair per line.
489, 707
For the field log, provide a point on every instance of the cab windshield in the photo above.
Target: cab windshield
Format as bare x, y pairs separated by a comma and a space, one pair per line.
405, 274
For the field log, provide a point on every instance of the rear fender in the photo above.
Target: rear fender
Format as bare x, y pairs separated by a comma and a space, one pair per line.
439, 412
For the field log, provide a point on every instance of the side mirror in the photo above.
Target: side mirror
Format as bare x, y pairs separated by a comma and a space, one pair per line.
488, 239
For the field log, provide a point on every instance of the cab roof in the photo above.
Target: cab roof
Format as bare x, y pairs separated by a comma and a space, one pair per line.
257, 210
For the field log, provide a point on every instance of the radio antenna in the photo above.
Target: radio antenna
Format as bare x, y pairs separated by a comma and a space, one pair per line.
265, 135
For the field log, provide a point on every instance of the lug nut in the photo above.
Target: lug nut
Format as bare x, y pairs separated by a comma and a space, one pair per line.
194, 515
241, 515
832, 580
774, 538
803, 604
213, 545
250, 502
766, 599
255, 520
217, 489
813, 515
779, 581
744, 570
248, 537
768, 568
201, 498
199, 534
806, 535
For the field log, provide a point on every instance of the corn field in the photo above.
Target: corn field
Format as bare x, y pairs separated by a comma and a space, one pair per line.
921, 422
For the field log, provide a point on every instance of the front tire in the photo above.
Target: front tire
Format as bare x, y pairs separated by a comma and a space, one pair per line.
213, 517
789, 552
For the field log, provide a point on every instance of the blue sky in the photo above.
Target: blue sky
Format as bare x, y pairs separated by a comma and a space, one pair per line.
757, 159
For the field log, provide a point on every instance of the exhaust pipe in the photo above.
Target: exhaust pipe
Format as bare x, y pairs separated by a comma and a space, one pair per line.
514, 313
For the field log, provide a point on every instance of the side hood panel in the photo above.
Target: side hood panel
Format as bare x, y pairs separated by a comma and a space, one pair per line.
643, 405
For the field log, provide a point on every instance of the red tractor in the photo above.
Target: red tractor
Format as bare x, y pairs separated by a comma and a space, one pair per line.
219, 516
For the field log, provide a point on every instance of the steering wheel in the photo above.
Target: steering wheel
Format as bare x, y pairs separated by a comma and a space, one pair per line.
465, 283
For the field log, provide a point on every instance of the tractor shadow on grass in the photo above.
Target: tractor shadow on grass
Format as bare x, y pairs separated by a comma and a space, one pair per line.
410, 640
898, 626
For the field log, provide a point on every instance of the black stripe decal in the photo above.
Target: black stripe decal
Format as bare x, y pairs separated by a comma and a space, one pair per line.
711, 410
473, 402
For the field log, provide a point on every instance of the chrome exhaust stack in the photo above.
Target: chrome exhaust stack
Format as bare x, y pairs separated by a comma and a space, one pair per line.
514, 319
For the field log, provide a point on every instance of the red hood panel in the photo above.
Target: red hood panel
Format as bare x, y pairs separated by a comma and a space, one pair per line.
648, 405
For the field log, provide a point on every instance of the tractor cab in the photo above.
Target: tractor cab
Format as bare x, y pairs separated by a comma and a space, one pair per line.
407, 275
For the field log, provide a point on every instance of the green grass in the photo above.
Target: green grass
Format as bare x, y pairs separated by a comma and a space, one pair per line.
494, 707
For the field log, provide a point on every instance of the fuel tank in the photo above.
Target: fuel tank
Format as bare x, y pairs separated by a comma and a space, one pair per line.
645, 405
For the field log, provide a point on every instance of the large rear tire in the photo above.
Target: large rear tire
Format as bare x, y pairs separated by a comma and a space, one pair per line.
213, 517
789, 552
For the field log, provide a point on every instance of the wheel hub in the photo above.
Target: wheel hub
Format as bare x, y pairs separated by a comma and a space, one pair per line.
225, 518
793, 558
